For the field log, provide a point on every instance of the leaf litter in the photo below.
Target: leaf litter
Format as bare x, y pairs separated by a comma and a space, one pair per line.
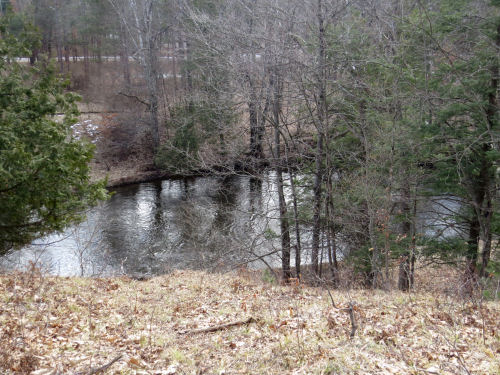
193, 322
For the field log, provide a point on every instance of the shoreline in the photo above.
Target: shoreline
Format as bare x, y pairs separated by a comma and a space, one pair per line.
124, 174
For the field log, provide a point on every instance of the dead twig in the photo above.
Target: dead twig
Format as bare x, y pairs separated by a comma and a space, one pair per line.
349, 309
219, 327
353, 322
103, 368
458, 355
134, 97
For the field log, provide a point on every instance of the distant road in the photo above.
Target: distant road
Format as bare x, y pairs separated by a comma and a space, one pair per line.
104, 58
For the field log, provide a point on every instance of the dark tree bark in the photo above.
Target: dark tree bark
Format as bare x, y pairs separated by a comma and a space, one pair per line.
151, 66
86, 63
284, 224
124, 57
492, 119
256, 135
405, 270
487, 238
322, 112
472, 254
482, 212
331, 234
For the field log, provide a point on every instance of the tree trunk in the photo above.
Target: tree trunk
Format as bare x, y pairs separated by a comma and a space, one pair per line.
298, 243
284, 225
487, 237
480, 223
256, 128
483, 207
35, 51
86, 64
151, 67
60, 57
322, 112
374, 276
67, 53
331, 237
405, 275
34, 56
491, 115
98, 44
174, 67
472, 254
124, 56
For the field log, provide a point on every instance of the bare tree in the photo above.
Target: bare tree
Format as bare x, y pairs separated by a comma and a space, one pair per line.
140, 22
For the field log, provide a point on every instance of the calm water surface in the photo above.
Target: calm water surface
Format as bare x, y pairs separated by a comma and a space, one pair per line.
152, 228
197, 223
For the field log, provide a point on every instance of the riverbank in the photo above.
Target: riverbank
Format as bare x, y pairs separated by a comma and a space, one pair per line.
192, 322
130, 171
138, 167
138, 171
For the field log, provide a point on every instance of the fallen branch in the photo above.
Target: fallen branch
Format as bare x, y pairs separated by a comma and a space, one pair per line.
219, 327
97, 370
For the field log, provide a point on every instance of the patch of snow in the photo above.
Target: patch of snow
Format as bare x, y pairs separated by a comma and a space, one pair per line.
86, 129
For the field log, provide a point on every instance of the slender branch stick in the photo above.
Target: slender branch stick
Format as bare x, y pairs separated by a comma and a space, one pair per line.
97, 370
219, 327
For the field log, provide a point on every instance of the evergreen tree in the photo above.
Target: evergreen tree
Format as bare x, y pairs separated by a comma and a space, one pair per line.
464, 129
44, 173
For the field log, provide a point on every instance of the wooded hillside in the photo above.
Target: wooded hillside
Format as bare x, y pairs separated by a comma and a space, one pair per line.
364, 110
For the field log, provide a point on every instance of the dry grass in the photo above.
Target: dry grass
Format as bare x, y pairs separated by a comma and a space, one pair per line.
52, 325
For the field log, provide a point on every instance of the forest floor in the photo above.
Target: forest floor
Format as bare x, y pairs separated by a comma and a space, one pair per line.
55, 325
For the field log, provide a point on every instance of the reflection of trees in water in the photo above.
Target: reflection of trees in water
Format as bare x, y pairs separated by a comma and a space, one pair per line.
132, 224
158, 220
88, 246
225, 199
217, 222
186, 185
203, 223
152, 227
196, 223
255, 194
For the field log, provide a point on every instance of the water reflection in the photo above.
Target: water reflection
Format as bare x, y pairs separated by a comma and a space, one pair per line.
152, 228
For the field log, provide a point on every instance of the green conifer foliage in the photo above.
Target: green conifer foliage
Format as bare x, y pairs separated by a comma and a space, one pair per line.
464, 131
44, 173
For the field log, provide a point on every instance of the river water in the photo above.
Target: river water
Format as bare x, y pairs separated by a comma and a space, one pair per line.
152, 228
197, 223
